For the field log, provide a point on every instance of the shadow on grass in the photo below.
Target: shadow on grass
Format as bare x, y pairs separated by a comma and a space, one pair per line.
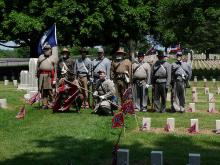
64, 150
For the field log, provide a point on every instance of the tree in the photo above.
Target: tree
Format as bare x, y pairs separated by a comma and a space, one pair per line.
84, 23
194, 23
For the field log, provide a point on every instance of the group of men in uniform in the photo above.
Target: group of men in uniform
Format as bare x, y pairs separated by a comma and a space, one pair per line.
111, 78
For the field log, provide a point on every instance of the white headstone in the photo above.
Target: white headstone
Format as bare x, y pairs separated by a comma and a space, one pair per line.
218, 90
212, 107
217, 125
146, 124
156, 157
196, 122
6, 82
214, 80
15, 83
205, 82
206, 90
3, 103
123, 157
195, 79
192, 107
171, 124
194, 159
211, 98
194, 97
194, 90
24, 76
32, 73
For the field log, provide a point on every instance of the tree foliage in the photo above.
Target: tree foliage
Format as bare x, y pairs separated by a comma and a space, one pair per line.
193, 23
85, 23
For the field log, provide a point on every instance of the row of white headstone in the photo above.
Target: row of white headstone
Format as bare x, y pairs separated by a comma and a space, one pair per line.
28, 82
146, 124
156, 158
211, 108
203, 56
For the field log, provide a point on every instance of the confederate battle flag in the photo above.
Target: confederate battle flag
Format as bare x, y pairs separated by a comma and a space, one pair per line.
128, 107
118, 120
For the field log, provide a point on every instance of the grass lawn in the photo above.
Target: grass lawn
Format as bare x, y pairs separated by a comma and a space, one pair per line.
44, 138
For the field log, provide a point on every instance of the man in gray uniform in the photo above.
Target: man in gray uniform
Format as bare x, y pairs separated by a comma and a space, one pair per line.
82, 70
141, 80
104, 91
181, 73
101, 63
160, 79
46, 73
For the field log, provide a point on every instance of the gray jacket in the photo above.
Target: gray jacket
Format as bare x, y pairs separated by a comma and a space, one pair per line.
181, 71
82, 67
103, 64
161, 73
105, 88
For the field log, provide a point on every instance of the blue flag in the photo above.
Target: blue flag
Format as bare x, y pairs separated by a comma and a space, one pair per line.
49, 37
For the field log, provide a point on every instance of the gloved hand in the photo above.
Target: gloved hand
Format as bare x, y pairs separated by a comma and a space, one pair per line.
102, 97
147, 86
91, 80
54, 82
95, 94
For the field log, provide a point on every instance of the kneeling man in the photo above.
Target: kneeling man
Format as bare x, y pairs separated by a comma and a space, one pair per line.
103, 94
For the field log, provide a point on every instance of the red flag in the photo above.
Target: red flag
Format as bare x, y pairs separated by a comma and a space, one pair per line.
34, 98
127, 94
118, 120
212, 110
167, 128
128, 107
192, 129
59, 104
190, 109
21, 113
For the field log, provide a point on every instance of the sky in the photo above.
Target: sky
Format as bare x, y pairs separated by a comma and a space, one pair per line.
9, 43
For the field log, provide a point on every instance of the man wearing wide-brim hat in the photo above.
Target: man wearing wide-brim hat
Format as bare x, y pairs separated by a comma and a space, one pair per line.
181, 73
46, 74
66, 65
121, 69
160, 80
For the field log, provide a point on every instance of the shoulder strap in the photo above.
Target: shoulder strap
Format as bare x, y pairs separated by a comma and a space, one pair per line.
85, 66
41, 62
103, 89
139, 65
97, 64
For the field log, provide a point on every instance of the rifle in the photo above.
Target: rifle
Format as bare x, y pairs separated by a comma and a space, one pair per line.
152, 99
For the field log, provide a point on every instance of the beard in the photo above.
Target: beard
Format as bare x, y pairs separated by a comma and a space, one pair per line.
47, 53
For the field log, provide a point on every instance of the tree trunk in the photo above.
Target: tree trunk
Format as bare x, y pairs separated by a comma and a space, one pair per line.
33, 49
207, 54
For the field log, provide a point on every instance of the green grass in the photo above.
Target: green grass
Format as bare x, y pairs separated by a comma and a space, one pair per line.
44, 138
